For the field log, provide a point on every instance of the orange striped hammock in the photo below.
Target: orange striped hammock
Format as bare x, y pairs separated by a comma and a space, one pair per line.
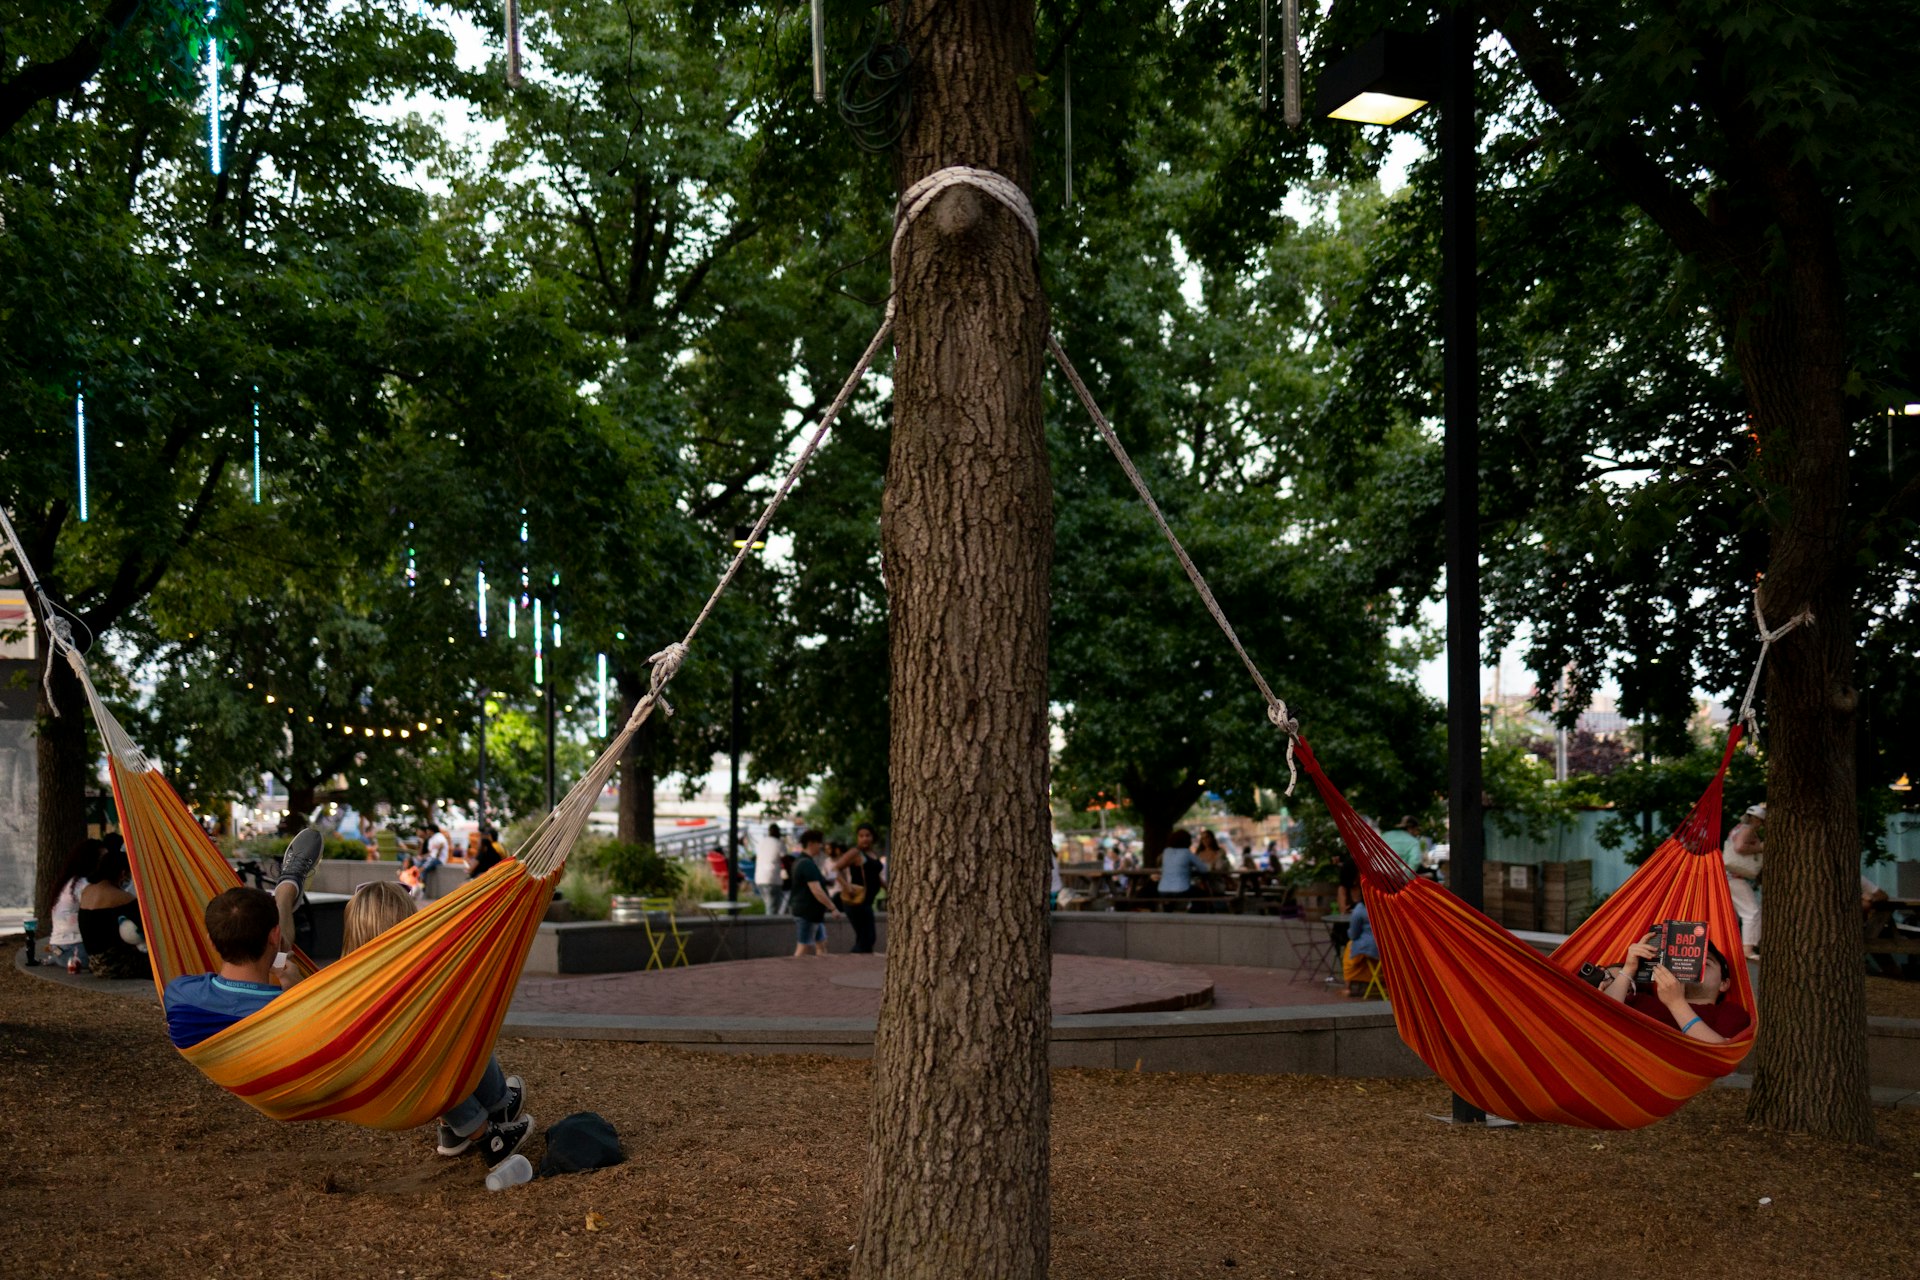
1519, 1034
390, 1036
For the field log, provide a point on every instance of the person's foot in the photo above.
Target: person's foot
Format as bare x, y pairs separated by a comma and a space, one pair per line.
300, 858
512, 1105
500, 1141
452, 1144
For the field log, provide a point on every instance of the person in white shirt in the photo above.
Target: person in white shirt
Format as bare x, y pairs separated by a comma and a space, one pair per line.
767, 851
1745, 847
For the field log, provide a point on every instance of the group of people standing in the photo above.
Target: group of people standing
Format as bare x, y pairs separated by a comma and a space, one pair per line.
819, 881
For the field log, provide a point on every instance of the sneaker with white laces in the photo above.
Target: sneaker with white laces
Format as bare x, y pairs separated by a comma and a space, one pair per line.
510, 1106
452, 1144
501, 1141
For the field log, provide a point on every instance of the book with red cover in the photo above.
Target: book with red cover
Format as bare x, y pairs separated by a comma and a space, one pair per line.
1682, 946
1683, 949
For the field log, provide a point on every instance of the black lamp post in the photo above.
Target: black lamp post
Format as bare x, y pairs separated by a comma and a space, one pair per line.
1384, 80
741, 534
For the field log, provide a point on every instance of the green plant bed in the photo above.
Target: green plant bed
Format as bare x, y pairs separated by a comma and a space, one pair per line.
268, 847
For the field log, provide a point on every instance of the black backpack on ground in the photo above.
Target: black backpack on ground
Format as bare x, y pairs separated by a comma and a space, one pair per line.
584, 1140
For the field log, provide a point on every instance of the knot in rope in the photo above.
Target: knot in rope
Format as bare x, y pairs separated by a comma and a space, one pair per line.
1747, 716
1278, 716
916, 198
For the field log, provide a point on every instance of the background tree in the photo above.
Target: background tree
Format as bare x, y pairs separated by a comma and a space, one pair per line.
179, 299
1676, 419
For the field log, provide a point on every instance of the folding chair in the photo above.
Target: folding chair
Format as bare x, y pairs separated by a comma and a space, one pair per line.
1316, 956
663, 907
1375, 987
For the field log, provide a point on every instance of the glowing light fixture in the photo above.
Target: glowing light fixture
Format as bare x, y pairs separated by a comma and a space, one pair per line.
539, 650
411, 573
256, 449
1383, 81
602, 664
741, 532
213, 90
80, 439
480, 594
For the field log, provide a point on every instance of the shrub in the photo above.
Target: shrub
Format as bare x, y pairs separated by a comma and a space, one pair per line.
586, 891
637, 869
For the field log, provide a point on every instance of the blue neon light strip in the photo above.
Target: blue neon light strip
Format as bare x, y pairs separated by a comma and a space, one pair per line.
256, 449
481, 596
539, 653
213, 91
80, 433
603, 694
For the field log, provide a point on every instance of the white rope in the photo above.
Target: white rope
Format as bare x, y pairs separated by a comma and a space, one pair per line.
1747, 716
59, 634
1277, 712
924, 192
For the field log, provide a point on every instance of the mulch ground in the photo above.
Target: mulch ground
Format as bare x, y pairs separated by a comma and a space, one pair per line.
120, 1160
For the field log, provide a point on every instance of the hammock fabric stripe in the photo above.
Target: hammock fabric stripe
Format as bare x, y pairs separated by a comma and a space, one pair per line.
1519, 1034
389, 1037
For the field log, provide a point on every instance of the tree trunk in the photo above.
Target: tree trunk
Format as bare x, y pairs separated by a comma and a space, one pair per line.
301, 801
1810, 1070
957, 1167
636, 767
63, 761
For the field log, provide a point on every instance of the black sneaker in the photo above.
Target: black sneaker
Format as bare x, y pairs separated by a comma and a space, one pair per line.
511, 1105
502, 1140
300, 858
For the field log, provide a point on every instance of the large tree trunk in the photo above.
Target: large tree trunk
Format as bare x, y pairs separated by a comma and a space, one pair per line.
1810, 1071
636, 767
956, 1176
63, 762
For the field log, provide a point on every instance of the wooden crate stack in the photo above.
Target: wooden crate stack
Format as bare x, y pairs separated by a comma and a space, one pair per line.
1512, 893
1565, 893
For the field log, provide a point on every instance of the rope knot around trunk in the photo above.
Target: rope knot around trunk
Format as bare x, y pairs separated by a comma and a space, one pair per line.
915, 200
1748, 716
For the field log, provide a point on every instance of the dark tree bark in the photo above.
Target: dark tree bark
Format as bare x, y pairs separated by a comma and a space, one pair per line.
636, 767
61, 758
956, 1176
1810, 1065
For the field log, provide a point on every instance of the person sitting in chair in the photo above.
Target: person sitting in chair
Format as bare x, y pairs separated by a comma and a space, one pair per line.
1702, 1011
1182, 874
1361, 960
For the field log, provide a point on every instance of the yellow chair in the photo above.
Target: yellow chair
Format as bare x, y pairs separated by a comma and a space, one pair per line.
1375, 987
663, 907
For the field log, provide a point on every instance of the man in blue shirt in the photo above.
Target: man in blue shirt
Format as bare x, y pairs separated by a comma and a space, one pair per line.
245, 927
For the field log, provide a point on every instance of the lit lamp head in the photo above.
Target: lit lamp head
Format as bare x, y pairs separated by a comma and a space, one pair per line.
741, 532
1383, 81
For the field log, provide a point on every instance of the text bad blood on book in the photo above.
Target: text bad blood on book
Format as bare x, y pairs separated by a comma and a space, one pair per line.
1683, 948
1681, 945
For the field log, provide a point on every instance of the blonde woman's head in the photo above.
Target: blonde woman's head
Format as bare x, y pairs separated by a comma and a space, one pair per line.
374, 908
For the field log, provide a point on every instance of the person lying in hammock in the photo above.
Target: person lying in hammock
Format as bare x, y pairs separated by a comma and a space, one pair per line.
1712, 1020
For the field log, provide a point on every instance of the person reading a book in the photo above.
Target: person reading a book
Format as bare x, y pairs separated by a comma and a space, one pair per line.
1700, 1009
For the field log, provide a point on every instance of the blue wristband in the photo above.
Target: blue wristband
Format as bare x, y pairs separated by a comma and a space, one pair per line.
1689, 1026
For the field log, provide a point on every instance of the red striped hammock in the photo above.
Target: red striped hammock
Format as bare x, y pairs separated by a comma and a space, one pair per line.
1519, 1034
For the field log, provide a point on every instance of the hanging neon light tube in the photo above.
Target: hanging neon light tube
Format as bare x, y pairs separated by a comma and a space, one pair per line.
80, 440
480, 595
539, 651
213, 91
256, 449
603, 694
